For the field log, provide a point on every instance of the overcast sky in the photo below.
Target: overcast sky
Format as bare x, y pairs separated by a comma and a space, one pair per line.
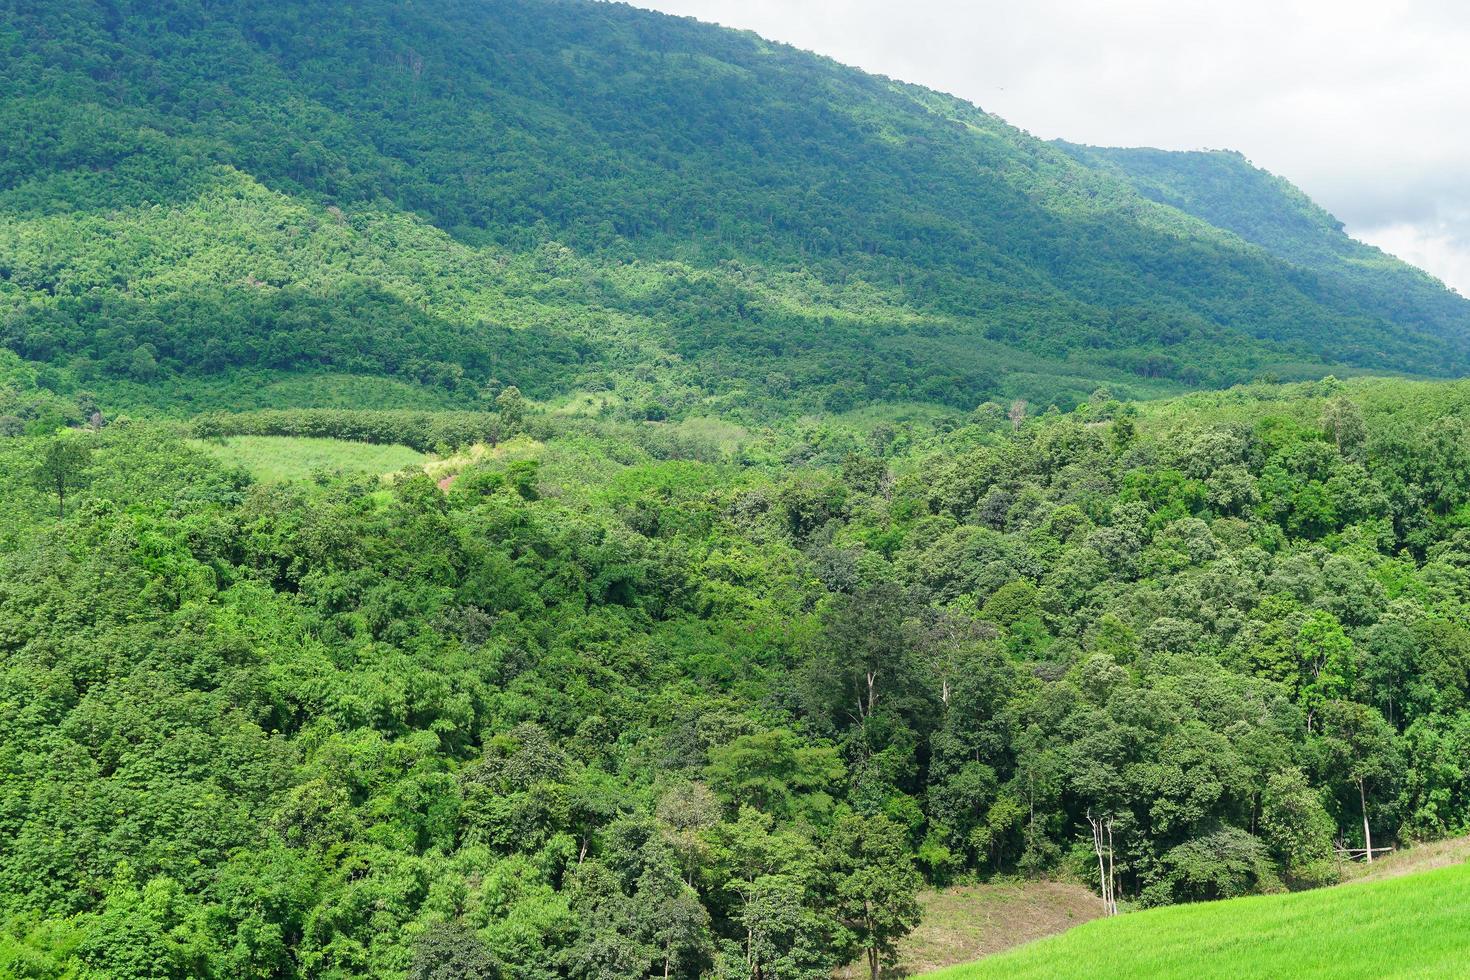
1366, 106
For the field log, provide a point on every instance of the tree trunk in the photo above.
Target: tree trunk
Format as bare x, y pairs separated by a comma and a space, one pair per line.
1097, 848
1106, 873
1112, 874
1102, 875
1367, 834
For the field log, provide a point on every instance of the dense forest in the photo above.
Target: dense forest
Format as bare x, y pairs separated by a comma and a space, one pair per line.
610, 704
587, 201
808, 489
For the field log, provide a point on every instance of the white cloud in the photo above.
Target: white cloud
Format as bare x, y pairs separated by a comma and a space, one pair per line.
1428, 245
1362, 104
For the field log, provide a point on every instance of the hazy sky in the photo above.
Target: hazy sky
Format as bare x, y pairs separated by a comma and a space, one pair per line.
1366, 106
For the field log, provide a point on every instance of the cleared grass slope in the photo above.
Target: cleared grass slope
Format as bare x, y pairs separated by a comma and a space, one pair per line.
1413, 860
280, 459
1411, 926
967, 922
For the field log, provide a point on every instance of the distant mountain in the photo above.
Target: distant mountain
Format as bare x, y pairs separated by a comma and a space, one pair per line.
1223, 188
199, 200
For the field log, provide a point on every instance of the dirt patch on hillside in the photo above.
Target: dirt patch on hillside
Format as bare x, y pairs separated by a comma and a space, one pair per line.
970, 921
1411, 860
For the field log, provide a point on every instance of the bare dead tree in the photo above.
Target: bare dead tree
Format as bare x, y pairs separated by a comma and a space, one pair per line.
1102, 846
1017, 414
1367, 832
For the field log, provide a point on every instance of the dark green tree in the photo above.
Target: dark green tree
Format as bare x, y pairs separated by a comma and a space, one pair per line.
452, 951
62, 467
874, 884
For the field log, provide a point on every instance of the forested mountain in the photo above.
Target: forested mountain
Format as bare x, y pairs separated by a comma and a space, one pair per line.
1224, 189
200, 199
727, 590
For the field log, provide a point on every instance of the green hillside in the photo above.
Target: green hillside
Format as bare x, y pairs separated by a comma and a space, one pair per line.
1224, 189
1414, 926
541, 490
572, 196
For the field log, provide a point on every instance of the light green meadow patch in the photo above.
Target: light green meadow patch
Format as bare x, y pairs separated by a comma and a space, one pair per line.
279, 459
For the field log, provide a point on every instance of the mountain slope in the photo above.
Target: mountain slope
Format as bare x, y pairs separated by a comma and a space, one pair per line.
1223, 188
569, 195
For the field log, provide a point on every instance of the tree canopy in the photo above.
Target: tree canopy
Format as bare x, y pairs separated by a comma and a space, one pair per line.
596, 706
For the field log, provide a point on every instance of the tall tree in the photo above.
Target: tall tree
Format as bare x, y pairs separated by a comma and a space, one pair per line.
867, 658
874, 884
512, 408
1324, 663
686, 812
1342, 422
1357, 745
62, 466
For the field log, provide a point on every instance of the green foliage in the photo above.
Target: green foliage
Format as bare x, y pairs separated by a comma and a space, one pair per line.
423, 431
452, 951
1297, 828
62, 467
1222, 188
589, 711
1225, 864
685, 680
774, 772
876, 885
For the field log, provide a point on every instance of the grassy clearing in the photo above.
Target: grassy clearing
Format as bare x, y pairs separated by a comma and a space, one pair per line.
725, 436
278, 459
1416, 925
518, 448
584, 403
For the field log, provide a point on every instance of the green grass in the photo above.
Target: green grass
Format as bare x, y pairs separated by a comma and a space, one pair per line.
1413, 926
278, 459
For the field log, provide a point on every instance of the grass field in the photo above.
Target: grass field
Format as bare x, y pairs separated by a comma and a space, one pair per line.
1417, 925
276, 459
